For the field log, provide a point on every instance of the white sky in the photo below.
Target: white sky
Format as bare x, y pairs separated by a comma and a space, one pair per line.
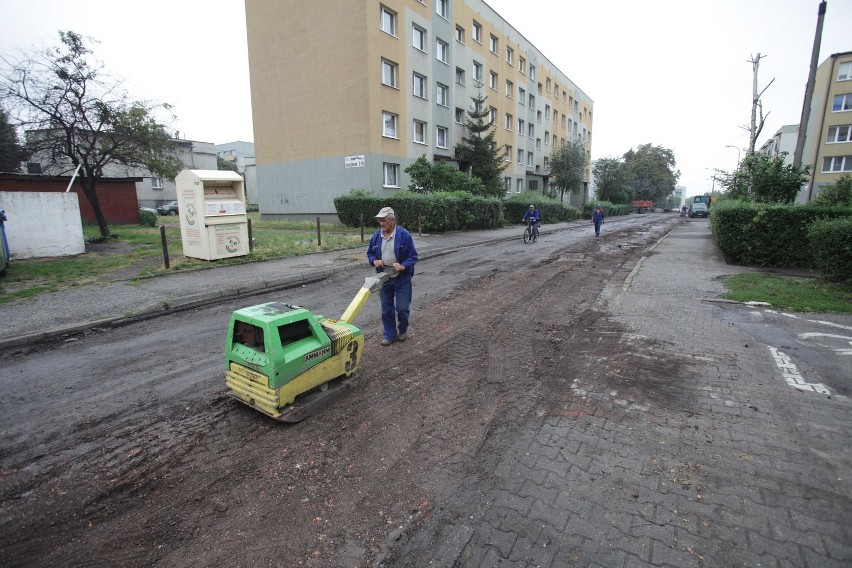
673, 73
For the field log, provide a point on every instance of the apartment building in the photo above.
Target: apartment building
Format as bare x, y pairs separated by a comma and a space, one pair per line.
828, 141
782, 143
348, 94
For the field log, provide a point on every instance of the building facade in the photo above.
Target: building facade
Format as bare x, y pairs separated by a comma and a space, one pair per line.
828, 141
783, 143
346, 95
242, 155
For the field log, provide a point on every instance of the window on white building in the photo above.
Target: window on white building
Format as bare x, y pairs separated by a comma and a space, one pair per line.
477, 31
442, 8
419, 132
459, 75
418, 36
443, 95
509, 121
442, 51
419, 89
460, 34
492, 80
391, 175
459, 115
477, 73
441, 137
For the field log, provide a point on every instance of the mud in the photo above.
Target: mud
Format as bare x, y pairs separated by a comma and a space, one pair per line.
151, 472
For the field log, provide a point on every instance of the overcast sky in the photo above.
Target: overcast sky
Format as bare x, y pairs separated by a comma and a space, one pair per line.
673, 73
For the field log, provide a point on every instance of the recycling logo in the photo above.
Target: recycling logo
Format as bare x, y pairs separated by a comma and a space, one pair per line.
190, 214
232, 244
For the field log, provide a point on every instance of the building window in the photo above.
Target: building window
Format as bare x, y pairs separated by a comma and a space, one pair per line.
509, 122
389, 69
554, 139
510, 56
419, 86
546, 138
441, 135
391, 175
492, 115
492, 80
555, 117
556, 91
839, 134
844, 71
532, 101
837, 164
419, 132
532, 72
538, 116
442, 51
521, 126
389, 121
548, 85
510, 89
538, 143
529, 159
443, 95
522, 65
546, 163
547, 112
576, 105
418, 35
507, 183
156, 182
477, 32
521, 156
460, 34
519, 187
459, 75
459, 116
507, 154
842, 103
531, 130
387, 21
477, 74
522, 95
493, 44
442, 8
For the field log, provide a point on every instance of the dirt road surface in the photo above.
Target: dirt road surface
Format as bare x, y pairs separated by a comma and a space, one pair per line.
122, 449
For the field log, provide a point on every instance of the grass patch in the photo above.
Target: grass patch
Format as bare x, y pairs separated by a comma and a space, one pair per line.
135, 251
796, 295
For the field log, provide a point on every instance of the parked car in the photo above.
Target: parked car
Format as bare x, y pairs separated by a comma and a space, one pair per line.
168, 208
699, 210
148, 209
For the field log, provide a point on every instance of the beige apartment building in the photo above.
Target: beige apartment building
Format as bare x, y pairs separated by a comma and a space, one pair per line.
348, 94
828, 140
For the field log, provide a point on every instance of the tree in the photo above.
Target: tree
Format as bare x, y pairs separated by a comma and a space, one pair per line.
568, 167
428, 178
651, 172
479, 150
764, 180
838, 194
611, 180
11, 151
226, 165
77, 121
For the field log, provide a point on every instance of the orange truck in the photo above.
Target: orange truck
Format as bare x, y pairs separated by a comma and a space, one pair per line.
642, 206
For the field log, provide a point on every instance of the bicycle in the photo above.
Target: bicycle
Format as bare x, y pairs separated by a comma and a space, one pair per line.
531, 232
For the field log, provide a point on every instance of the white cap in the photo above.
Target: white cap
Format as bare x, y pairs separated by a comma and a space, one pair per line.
532, 206
385, 212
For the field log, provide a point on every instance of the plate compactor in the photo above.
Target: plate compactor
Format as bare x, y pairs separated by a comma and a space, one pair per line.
287, 362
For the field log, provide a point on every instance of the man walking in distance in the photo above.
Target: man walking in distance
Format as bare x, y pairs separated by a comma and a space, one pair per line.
597, 219
392, 251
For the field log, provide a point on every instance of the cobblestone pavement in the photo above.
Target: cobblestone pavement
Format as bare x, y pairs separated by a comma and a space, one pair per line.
727, 466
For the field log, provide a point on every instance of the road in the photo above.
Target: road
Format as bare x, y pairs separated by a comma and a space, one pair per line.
121, 448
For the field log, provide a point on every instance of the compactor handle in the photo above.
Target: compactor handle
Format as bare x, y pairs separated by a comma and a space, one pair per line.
371, 284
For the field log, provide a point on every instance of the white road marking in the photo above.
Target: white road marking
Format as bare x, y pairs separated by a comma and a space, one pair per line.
792, 376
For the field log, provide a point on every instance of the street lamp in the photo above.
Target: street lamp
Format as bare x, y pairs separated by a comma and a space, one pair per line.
738, 155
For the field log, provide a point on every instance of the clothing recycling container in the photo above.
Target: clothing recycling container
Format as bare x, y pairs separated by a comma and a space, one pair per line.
212, 208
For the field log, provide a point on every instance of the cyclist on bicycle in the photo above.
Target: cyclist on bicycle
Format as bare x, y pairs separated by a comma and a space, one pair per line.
532, 217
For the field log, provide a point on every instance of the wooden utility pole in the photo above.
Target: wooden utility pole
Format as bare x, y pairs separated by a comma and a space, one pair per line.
809, 89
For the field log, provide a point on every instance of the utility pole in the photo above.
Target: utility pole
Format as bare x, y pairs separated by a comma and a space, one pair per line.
809, 89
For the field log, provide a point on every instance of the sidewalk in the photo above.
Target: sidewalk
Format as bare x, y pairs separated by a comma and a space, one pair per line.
685, 447
81, 308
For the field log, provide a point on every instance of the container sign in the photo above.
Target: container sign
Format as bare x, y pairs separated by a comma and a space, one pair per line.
355, 161
224, 208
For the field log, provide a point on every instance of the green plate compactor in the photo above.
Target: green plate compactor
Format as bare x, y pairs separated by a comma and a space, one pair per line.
287, 362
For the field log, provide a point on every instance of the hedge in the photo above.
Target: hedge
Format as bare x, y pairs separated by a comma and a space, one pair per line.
760, 234
830, 241
609, 209
551, 210
437, 212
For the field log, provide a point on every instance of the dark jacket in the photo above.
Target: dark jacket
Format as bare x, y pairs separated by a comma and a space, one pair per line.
403, 248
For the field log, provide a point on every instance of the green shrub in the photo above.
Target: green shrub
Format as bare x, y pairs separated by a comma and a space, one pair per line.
147, 218
440, 211
609, 209
761, 234
551, 210
830, 243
